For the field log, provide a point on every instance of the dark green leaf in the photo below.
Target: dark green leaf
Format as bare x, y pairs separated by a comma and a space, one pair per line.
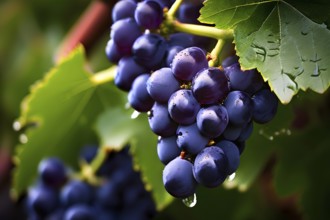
286, 46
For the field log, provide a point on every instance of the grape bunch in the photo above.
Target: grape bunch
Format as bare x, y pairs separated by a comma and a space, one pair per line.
119, 194
202, 114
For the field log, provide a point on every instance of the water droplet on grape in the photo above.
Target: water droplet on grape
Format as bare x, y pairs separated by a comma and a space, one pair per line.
17, 126
135, 114
231, 177
190, 201
23, 138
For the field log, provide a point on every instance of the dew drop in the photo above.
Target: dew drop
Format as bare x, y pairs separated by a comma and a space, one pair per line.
17, 126
190, 201
135, 114
23, 138
231, 177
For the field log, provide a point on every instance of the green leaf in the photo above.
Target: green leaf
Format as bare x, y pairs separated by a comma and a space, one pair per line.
116, 128
279, 39
62, 107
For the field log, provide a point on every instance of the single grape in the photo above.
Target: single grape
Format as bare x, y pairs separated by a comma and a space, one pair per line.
188, 62
239, 107
149, 50
189, 12
80, 212
108, 195
123, 9
210, 86
88, 152
165, 3
265, 105
190, 139
160, 121
178, 178
42, 200
232, 154
167, 149
162, 84
149, 14
76, 192
112, 52
212, 120
210, 167
52, 172
183, 107
138, 96
127, 71
120, 30
248, 81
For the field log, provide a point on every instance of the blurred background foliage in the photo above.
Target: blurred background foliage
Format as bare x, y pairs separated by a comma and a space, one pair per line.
283, 174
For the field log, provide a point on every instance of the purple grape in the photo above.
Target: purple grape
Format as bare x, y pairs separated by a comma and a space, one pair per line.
76, 192
239, 107
265, 105
42, 200
178, 178
160, 121
212, 120
248, 81
138, 96
52, 172
183, 107
189, 12
188, 62
190, 139
114, 53
149, 14
120, 30
162, 84
127, 71
167, 149
165, 3
210, 167
149, 50
123, 9
232, 154
210, 86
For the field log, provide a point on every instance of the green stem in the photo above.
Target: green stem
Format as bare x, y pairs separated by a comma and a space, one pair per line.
104, 76
99, 159
174, 8
216, 52
203, 30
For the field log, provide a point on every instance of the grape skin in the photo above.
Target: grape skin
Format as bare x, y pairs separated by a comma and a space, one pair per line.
264, 106
239, 107
162, 84
210, 86
178, 178
160, 121
232, 154
148, 14
212, 120
188, 62
167, 149
183, 107
138, 96
123, 9
190, 139
119, 31
210, 167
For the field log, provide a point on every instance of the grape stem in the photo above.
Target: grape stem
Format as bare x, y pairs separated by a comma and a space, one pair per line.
202, 30
216, 52
171, 12
104, 76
